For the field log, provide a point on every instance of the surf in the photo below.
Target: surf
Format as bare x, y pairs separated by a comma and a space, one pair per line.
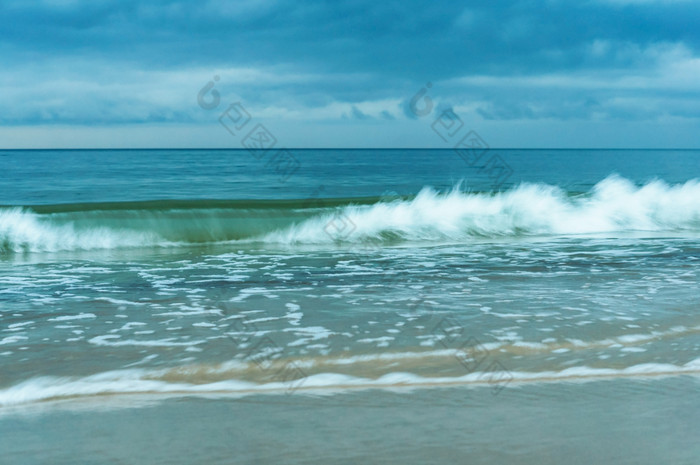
614, 206
156, 383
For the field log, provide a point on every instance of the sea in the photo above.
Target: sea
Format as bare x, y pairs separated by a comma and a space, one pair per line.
349, 306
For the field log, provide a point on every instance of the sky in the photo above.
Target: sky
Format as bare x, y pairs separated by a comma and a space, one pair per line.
349, 73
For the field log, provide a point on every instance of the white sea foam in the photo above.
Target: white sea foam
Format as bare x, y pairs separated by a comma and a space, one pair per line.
614, 206
154, 382
12, 339
111, 340
21, 231
80, 316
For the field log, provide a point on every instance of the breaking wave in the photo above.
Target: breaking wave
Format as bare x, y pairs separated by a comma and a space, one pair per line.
614, 206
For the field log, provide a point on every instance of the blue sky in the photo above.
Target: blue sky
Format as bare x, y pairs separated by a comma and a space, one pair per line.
549, 73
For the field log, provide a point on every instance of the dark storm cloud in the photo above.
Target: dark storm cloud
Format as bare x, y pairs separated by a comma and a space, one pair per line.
398, 39
343, 51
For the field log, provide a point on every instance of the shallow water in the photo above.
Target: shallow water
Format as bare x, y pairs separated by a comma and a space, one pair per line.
625, 421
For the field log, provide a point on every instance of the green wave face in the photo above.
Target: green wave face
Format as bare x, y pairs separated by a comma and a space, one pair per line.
155, 223
83, 229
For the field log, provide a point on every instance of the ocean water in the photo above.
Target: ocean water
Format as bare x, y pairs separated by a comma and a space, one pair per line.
345, 306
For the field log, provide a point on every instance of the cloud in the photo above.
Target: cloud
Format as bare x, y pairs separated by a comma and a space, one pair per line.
110, 62
357, 114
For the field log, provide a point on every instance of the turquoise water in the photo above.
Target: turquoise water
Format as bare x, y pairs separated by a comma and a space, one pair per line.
422, 283
44, 176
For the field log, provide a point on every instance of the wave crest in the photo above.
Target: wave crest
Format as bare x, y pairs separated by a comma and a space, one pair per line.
614, 206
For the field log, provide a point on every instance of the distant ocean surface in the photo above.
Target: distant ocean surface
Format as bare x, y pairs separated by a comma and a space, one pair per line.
347, 306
